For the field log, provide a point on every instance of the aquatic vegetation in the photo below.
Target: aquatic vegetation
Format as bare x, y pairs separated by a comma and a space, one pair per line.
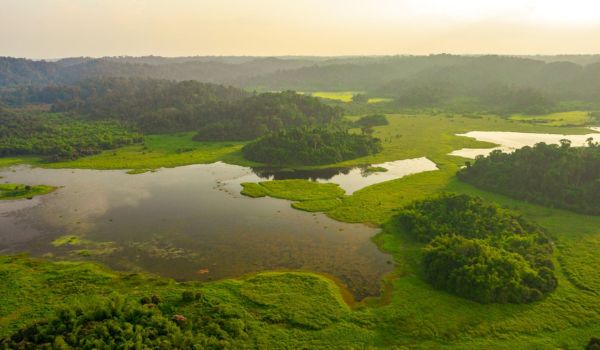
19, 191
294, 190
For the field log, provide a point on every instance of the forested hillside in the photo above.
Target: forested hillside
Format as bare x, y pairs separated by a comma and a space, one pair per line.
474, 82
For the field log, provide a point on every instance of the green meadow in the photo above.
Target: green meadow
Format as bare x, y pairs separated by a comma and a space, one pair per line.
158, 151
573, 118
346, 96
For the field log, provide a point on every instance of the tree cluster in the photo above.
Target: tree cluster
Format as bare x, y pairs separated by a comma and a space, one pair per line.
258, 115
59, 137
558, 176
480, 251
310, 147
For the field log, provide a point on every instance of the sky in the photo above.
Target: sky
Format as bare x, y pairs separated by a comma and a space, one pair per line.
67, 28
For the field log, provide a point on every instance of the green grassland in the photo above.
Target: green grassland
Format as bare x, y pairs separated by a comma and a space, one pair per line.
19, 191
299, 310
346, 96
165, 150
573, 118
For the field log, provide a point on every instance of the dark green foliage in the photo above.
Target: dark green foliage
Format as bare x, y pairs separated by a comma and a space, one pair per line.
360, 98
152, 105
593, 344
310, 147
480, 251
157, 106
269, 112
120, 324
372, 120
59, 137
557, 176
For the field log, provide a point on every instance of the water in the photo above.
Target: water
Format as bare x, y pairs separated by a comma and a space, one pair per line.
189, 223
510, 141
353, 179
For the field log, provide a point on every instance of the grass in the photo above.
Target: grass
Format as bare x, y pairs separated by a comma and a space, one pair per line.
165, 150
280, 309
295, 190
10, 161
346, 96
18, 191
573, 118
376, 169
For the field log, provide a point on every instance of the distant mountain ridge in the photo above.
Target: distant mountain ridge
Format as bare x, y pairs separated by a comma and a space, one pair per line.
565, 77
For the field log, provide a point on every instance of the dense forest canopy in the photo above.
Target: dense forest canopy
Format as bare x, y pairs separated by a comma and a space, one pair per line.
310, 147
558, 176
480, 251
59, 137
156, 106
257, 115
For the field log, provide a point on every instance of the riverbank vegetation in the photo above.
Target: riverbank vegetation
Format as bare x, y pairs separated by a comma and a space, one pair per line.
310, 147
558, 176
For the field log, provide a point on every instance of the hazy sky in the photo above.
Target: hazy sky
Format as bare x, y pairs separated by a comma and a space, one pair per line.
59, 28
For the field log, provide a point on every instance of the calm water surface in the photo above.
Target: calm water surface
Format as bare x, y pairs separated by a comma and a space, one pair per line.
510, 141
186, 223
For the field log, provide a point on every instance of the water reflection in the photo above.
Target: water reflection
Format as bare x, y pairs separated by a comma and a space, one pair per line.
187, 223
353, 179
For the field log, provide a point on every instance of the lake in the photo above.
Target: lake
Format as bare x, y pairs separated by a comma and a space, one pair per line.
510, 141
192, 223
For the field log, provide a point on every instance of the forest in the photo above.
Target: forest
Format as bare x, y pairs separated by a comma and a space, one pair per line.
217, 112
59, 137
479, 250
310, 147
559, 176
257, 115
498, 84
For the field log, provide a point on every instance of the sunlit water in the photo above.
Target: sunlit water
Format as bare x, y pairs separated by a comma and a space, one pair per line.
354, 179
510, 141
191, 223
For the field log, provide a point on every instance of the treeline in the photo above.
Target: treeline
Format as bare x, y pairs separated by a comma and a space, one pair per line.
480, 251
558, 176
121, 324
310, 147
59, 137
152, 105
157, 106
